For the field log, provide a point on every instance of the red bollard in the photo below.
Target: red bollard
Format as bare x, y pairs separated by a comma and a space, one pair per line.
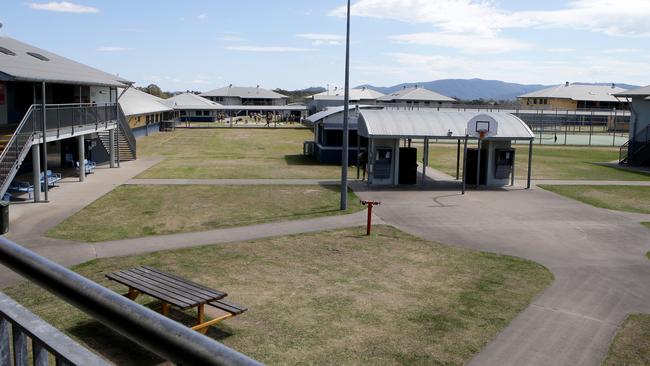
369, 204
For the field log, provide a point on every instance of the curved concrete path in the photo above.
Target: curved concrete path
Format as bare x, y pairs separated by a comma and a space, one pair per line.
597, 257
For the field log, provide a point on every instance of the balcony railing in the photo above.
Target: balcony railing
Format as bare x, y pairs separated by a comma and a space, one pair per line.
160, 335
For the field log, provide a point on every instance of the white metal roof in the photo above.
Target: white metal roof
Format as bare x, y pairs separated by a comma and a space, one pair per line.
640, 92
263, 108
136, 102
355, 95
591, 93
316, 117
22, 62
244, 92
190, 101
416, 94
420, 124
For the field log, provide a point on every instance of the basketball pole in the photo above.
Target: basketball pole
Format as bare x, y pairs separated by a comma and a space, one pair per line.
346, 112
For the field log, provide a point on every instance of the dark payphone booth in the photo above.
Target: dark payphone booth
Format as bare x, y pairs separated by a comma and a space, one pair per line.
408, 165
472, 161
383, 159
504, 161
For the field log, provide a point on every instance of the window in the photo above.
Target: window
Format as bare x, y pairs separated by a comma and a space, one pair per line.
7, 51
183, 113
38, 56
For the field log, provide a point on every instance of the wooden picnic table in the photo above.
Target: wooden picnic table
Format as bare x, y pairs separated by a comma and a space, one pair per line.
175, 291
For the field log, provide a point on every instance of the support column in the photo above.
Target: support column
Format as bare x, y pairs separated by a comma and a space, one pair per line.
425, 160
111, 149
44, 120
458, 161
530, 163
82, 156
36, 170
464, 164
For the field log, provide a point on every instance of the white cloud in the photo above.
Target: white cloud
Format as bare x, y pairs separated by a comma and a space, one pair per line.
111, 49
203, 16
467, 43
200, 81
231, 38
63, 7
268, 49
319, 39
621, 50
561, 50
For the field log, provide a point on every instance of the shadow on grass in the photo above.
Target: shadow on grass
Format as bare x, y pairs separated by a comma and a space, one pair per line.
300, 159
122, 351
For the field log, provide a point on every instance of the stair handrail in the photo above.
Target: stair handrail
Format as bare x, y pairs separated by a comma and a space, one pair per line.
13, 146
636, 143
18, 131
126, 129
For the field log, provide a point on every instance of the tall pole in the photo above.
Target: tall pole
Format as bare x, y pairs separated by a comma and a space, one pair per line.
45, 187
346, 112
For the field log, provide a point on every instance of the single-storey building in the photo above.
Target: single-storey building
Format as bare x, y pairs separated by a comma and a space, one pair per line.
193, 108
637, 150
491, 163
575, 96
144, 112
63, 112
335, 98
328, 134
415, 97
245, 96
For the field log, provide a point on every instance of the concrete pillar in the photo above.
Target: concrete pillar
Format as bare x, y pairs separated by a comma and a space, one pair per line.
111, 149
82, 156
36, 171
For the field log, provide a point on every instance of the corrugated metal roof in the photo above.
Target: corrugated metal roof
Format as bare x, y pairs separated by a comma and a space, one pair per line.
355, 95
244, 92
591, 93
392, 123
640, 92
29, 63
416, 94
190, 101
135, 102
314, 118
263, 108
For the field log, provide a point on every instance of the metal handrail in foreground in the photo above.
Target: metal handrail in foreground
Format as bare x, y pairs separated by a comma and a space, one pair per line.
160, 335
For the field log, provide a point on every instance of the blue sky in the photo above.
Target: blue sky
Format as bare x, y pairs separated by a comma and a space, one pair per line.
291, 44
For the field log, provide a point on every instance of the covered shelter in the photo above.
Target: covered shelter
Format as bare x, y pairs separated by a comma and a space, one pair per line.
490, 163
145, 112
193, 108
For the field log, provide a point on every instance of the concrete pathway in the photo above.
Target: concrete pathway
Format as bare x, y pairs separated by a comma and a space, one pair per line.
597, 257
230, 182
593, 182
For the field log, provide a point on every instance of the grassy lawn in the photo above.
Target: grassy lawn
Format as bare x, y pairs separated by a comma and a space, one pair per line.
141, 210
335, 297
233, 153
646, 224
549, 162
631, 346
620, 198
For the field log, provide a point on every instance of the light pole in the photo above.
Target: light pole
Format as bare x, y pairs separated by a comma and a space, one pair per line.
346, 111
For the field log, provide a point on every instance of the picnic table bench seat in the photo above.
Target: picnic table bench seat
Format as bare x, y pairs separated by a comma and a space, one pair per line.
176, 291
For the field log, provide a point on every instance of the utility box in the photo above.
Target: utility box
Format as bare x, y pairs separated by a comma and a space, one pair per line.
4, 217
504, 161
497, 164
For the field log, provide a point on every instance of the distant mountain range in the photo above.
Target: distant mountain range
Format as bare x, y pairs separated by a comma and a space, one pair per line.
471, 89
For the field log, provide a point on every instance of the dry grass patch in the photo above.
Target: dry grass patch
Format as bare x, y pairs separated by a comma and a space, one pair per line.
233, 153
631, 346
620, 198
142, 210
335, 297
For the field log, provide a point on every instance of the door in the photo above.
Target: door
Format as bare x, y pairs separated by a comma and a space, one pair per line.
408, 165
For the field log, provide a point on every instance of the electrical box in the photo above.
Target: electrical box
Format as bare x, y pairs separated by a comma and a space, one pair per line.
504, 161
383, 163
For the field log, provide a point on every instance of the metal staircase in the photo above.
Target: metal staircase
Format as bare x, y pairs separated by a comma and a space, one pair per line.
125, 144
637, 150
17, 147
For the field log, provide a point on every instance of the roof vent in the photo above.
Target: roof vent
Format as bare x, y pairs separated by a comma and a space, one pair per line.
567, 84
613, 86
7, 51
38, 56
230, 86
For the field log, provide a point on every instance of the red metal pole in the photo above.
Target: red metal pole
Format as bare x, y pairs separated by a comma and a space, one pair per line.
369, 225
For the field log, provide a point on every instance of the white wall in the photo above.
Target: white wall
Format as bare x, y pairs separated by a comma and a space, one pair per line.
100, 95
